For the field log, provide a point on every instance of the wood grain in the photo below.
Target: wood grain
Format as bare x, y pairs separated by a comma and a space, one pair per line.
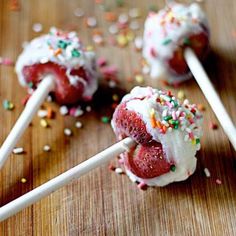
102, 203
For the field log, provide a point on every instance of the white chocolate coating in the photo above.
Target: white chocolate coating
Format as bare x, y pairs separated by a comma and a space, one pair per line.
165, 31
42, 50
176, 143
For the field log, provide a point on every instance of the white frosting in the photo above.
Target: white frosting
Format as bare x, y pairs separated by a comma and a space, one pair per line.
42, 50
162, 36
176, 146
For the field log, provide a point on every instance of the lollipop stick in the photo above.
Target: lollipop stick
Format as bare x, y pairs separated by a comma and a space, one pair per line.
211, 95
26, 116
63, 179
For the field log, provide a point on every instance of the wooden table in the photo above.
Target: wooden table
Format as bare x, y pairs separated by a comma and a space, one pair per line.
103, 203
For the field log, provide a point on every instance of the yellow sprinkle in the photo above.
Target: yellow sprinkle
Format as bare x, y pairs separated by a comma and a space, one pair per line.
115, 97
152, 112
44, 123
23, 180
130, 36
122, 40
89, 48
181, 94
139, 79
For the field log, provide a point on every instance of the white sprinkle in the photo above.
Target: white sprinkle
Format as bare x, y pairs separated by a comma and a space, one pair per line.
112, 84
78, 124
188, 130
207, 172
18, 150
138, 42
134, 12
97, 38
42, 113
113, 29
134, 25
123, 18
88, 108
78, 12
119, 170
186, 102
164, 113
49, 98
78, 112
47, 148
64, 110
67, 132
91, 21
37, 27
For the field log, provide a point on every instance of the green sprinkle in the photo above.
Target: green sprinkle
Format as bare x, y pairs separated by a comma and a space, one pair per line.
120, 3
175, 103
105, 119
187, 41
166, 42
173, 168
166, 118
8, 105
30, 84
175, 122
197, 140
75, 53
62, 44
176, 127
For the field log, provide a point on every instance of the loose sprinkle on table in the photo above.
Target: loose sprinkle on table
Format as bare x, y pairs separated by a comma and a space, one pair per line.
23, 180
142, 186
8, 105
218, 181
91, 22
43, 123
18, 150
213, 126
64, 110
119, 171
42, 113
78, 12
46, 148
105, 119
78, 124
67, 132
37, 27
207, 172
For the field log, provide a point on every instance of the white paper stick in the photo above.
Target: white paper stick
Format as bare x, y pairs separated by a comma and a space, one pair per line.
63, 179
211, 95
26, 117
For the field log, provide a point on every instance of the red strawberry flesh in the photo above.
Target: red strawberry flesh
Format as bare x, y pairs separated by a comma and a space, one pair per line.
198, 42
65, 92
147, 159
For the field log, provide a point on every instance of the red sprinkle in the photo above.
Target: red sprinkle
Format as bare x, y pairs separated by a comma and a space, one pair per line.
111, 167
218, 181
213, 125
142, 186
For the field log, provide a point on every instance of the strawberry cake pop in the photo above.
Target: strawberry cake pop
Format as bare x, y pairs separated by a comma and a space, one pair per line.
167, 135
167, 34
57, 63
62, 55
